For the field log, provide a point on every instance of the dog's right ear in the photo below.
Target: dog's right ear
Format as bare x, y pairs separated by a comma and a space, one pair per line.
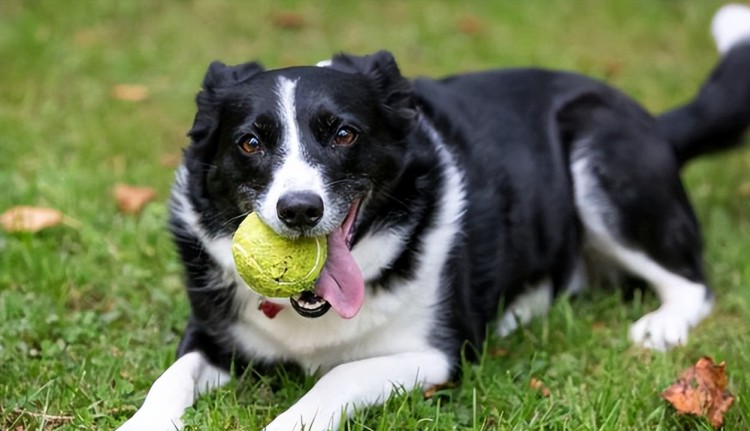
383, 72
218, 76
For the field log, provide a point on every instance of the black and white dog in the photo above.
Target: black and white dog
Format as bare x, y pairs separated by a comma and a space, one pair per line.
440, 199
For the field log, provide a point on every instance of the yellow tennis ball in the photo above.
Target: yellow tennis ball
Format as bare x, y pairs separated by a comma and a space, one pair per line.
275, 266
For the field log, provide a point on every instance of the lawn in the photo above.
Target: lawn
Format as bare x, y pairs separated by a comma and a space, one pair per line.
91, 310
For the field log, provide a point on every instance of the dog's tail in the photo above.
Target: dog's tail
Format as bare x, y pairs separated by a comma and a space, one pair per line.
717, 118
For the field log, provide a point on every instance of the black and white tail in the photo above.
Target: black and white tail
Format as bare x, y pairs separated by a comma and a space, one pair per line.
717, 118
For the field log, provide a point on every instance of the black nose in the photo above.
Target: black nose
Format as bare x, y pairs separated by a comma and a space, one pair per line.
300, 209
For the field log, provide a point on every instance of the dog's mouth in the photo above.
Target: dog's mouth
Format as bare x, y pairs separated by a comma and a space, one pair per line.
340, 285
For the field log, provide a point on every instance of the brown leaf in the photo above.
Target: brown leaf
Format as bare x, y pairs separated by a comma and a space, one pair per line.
130, 92
432, 390
288, 19
131, 199
702, 390
539, 386
170, 160
498, 352
744, 190
30, 219
469, 24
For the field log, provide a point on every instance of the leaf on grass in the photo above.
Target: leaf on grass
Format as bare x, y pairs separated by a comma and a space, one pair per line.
469, 24
702, 390
498, 352
288, 20
131, 199
540, 387
744, 190
170, 160
30, 219
130, 92
432, 390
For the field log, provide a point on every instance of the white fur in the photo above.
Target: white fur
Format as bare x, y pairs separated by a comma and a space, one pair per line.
173, 392
359, 384
683, 303
730, 26
535, 301
383, 347
295, 174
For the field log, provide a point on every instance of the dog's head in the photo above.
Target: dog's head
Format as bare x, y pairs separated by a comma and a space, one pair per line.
305, 148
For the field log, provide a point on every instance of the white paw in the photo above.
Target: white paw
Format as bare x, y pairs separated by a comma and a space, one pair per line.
294, 421
660, 330
145, 422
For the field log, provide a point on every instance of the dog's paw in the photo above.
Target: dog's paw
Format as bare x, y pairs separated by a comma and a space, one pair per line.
145, 422
293, 420
660, 330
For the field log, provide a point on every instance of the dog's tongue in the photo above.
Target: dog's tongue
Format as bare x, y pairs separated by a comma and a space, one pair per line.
341, 283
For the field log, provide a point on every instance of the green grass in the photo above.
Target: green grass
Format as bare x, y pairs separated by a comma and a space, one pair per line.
90, 313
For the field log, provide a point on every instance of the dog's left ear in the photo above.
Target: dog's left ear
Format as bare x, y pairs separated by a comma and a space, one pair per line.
394, 89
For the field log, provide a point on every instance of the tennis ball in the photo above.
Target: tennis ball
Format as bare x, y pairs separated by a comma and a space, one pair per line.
275, 266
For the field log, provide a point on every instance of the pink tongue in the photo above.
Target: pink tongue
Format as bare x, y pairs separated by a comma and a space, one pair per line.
341, 283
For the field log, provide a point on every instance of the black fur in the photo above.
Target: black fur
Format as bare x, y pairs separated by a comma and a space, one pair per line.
513, 135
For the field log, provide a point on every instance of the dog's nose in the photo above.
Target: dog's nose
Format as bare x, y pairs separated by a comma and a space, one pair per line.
300, 209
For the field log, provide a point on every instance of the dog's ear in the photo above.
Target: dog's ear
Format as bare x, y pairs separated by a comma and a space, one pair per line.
395, 90
218, 76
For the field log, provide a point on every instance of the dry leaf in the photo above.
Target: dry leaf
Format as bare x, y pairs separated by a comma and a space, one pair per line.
130, 92
469, 24
288, 19
432, 390
612, 69
498, 352
702, 390
30, 219
744, 190
170, 160
131, 199
539, 386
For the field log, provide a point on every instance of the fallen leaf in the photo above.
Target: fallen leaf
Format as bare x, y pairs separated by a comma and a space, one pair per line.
702, 390
288, 19
539, 386
130, 92
598, 326
132, 199
432, 390
744, 190
498, 352
170, 160
30, 219
469, 24
612, 69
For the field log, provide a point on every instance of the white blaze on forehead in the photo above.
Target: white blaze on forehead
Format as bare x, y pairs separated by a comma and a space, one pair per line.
295, 173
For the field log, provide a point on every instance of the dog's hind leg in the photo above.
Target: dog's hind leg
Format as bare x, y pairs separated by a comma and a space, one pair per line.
535, 301
636, 214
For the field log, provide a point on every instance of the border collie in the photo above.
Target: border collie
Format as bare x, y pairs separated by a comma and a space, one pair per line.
441, 199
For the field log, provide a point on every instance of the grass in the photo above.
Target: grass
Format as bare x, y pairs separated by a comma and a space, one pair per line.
90, 313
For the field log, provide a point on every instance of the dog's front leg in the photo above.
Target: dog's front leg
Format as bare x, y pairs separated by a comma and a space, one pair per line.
361, 383
174, 391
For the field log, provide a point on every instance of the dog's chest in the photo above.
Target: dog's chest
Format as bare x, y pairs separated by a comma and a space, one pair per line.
389, 322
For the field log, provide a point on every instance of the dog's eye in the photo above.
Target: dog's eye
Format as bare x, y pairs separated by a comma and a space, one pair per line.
345, 136
250, 144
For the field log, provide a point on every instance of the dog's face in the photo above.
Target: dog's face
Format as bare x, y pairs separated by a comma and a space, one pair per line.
305, 148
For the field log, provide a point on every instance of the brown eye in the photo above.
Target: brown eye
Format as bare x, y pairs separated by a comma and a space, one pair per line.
345, 136
250, 144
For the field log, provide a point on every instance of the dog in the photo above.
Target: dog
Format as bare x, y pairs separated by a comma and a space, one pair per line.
440, 200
